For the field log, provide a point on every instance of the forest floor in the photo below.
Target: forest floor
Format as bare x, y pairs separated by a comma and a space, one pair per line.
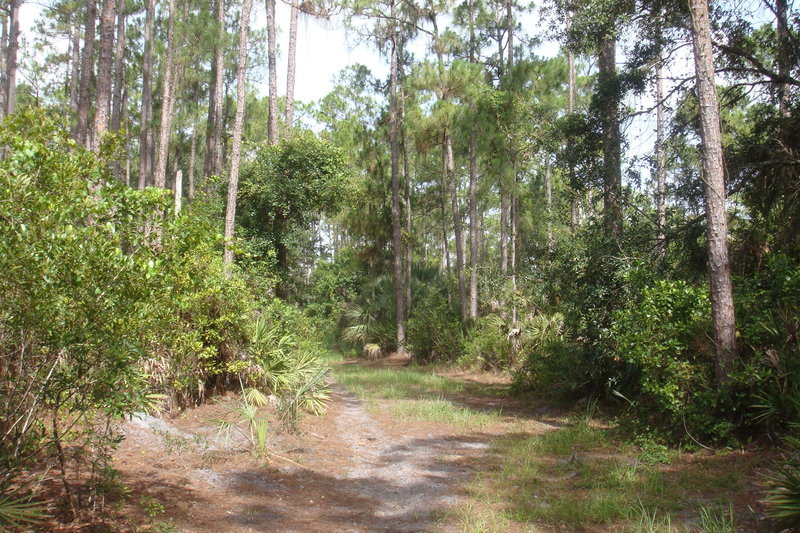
409, 449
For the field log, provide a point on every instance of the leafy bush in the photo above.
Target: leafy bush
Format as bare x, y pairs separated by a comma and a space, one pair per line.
768, 307
107, 298
486, 344
434, 329
663, 337
77, 292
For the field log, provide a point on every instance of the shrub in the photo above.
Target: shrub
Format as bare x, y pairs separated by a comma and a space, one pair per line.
663, 338
77, 296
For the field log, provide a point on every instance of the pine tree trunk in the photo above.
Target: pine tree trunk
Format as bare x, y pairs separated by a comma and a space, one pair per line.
473, 227
238, 124
453, 186
722, 311
213, 158
612, 150
192, 158
87, 69
784, 52
513, 265
510, 30
3, 54
473, 188
397, 244
503, 229
146, 131
167, 95
177, 190
104, 69
409, 248
548, 192
12, 50
272, 124
119, 67
75, 53
292, 66
661, 163
574, 207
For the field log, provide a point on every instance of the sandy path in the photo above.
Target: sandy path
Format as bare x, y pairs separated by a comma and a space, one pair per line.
352, 471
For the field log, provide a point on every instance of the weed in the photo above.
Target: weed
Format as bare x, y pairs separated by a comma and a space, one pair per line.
717, 520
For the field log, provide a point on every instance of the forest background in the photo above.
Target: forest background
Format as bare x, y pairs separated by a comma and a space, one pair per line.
169, 233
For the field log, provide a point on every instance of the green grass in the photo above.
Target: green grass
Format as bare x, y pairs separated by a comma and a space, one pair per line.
421, 395
444, 412
580, 477
395, 383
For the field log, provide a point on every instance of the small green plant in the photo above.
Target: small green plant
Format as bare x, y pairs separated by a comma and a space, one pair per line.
651, 522
152, 507
717, 519
248, 413
18, 510
783, 495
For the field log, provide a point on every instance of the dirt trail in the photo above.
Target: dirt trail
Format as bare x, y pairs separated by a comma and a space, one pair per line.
353, 470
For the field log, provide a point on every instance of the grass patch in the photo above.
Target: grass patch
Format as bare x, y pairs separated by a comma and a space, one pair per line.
580, 477
389, 383
444, 412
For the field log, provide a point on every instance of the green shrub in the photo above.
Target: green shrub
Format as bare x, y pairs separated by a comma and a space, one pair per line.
768, 307
434, 329
77, 291
486, 344
663, 337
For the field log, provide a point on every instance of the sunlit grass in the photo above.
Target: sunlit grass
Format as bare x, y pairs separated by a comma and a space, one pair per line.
443, 412
392, 383
579, 477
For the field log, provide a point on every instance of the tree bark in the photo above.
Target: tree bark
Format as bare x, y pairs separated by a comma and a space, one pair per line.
661, 162
548, 192
409, 248
612, 151
453, 186
503, 229
473, 227
12, 50
119, 67
104, 69
177, 190
574, 205
397, 244
192, 158
513, 265
722, 311
783, 54
3, 63
272, 124
291, 67
212, 163
87, 68
238, 124
146, 132
167, 95
75, 61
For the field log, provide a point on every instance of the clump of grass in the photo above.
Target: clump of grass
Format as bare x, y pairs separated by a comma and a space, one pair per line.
651, 522
716, 519
580, 477
444, 412
394, 383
